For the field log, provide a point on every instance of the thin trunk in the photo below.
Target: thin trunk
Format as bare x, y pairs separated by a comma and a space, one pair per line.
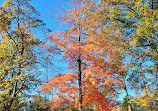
80, 84
125, 88
15, 89
149, 102
152, 4
79, 73
79, 62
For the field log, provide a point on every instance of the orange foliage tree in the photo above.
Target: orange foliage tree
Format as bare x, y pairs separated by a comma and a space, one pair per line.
93, 48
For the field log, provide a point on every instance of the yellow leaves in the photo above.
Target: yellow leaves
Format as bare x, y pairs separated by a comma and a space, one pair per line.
93, 81
96, 108
92, 3
138, 4
5, 39
6, 45
2, 45
4, 34
145, 101
145, 11
6, 3
14, 9
147, 98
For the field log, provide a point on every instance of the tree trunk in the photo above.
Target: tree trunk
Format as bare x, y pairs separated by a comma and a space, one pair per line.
79, 66
79, 72
15, 89
125, 88
80, 83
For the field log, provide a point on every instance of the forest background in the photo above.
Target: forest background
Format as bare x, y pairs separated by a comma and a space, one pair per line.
123, 71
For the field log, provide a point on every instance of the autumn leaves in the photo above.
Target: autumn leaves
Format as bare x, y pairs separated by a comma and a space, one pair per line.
109, 46
93, 47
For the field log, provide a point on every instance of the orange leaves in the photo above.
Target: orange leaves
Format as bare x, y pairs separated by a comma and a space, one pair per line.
62, 80
66, 90
94, 96
98, 45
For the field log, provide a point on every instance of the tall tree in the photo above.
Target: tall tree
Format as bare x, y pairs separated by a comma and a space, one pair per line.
17, 50
139, 19
93, 49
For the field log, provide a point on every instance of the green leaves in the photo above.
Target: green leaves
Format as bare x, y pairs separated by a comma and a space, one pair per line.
18, 20
140, 16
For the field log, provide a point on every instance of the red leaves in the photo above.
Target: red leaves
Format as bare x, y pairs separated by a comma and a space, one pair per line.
98, 48
94, 96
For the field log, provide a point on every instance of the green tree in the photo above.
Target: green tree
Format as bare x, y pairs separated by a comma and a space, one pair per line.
17, 54
125, 104
39, 102
139, 20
